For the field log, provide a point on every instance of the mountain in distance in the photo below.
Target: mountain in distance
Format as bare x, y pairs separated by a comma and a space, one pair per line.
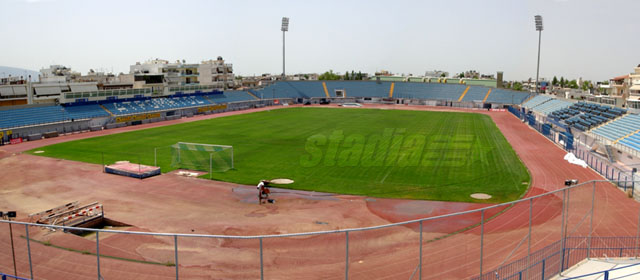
5, 71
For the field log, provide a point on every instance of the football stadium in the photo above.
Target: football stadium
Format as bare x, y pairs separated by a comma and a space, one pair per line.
153, 176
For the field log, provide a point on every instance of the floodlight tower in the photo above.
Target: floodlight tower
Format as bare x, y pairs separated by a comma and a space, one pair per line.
284, 28
538, 19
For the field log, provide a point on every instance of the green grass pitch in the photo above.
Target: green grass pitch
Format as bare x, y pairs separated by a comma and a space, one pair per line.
380, 153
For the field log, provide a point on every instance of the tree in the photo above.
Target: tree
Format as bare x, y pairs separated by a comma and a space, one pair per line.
573, 84
555, 81
359, 76
586, 85
517, 86
461, 75
443, 75
329, 76
346, 75
562, 82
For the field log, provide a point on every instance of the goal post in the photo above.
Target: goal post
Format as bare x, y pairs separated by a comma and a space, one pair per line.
202, 157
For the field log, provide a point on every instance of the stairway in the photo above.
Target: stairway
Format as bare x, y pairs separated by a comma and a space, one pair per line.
610, 153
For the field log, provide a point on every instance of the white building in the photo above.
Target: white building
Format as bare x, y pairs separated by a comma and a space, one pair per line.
436, 74
159, 71
57, 74
216, 72
634, 80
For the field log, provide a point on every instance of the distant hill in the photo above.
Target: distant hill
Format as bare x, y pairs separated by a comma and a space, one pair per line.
5, 71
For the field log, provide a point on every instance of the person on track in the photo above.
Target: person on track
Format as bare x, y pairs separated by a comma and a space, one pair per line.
263, 191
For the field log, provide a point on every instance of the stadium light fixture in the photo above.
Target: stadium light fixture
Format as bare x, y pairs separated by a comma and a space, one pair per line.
539, 28
284, 28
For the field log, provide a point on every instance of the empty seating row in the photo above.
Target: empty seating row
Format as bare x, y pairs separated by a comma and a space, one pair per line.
619, 128
428, 91
550, 106
476, 94
32, 116
536, 100
55, 113
85, 111
155, 104
432, 91
585, 116
507, 96
633, 141
232, 96
294, 89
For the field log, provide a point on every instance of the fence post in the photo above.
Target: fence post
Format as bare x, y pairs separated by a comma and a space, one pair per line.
26, 230
420, 264
261, 263
637, 237
593, 200
633, 183
606, 275
600, 167
529, 241
481, 239
175, 251
346, 263
562, 233
98, 252
543, 266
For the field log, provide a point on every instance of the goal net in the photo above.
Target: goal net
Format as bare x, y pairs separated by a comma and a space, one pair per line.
202, 157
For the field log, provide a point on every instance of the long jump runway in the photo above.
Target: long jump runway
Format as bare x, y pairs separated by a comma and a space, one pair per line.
171, 203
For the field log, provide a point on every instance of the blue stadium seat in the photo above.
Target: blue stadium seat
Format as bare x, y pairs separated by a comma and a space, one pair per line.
32, 116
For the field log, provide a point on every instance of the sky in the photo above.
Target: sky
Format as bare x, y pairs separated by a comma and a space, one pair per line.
592, 39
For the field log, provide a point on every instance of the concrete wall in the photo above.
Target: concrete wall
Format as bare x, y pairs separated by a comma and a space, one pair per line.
61, 128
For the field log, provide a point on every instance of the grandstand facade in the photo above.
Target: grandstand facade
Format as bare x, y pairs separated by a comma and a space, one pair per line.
88, 108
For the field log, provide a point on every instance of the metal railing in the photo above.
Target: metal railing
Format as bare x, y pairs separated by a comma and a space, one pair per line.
581, 150
574, 219
4, 276
605, 273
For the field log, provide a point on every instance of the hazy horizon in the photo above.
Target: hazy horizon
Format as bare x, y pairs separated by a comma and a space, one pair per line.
589, 39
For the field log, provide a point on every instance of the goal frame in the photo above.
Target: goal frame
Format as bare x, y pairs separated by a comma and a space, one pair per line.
211, 153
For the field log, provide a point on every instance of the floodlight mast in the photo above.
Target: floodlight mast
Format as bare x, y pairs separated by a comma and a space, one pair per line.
539, 28
284, 28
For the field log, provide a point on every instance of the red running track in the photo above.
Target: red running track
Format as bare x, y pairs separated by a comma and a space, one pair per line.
381, 254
